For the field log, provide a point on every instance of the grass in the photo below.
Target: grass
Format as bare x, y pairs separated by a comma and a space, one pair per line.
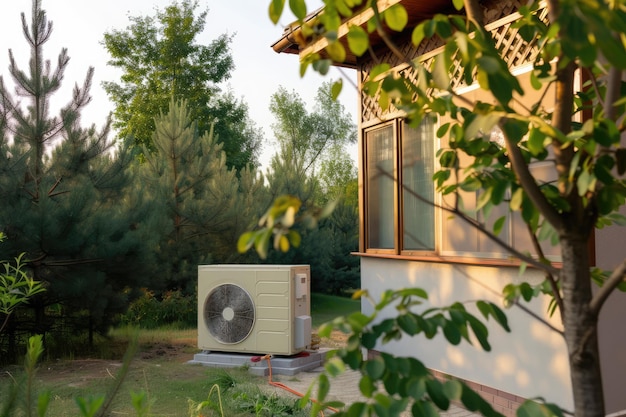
169, 386
325, 308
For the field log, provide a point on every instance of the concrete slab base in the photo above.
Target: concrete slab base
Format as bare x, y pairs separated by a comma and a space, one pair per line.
281, 365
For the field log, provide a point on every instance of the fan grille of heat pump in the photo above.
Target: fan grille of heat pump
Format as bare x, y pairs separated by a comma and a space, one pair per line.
229, 313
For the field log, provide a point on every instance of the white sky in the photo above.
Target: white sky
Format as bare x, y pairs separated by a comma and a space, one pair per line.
79, 26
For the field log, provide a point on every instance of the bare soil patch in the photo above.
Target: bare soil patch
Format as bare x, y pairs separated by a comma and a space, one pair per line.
82, 371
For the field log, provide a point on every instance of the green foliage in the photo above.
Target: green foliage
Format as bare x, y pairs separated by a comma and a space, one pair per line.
171, 309
61, 186
313, 184
160, 59
201, 204
306, 138
490, 145
16, 288
396, 384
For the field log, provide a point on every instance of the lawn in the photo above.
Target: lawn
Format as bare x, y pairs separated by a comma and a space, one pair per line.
325, 308
159, 370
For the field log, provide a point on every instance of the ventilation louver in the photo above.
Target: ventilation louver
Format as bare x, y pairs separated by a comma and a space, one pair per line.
229, 313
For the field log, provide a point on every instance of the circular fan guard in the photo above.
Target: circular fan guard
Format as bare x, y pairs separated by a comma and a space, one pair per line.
229, 313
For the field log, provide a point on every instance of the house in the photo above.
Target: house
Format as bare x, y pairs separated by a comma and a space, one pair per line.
405, 241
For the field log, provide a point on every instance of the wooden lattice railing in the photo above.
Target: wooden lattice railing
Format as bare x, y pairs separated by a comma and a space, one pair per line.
501, 15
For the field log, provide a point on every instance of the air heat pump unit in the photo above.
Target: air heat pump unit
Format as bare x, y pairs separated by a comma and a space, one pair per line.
254, 308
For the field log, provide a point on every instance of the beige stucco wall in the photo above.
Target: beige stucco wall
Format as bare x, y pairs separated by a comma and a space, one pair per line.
529, 362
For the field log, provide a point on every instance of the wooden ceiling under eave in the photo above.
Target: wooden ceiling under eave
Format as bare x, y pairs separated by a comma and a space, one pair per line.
417, 10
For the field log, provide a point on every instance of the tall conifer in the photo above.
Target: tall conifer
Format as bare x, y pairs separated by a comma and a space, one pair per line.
61, 187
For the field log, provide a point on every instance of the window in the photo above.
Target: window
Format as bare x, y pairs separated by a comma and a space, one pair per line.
399, 217
399, 202
381, 187
418, 188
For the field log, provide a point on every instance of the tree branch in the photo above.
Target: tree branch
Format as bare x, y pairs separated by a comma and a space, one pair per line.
474, 12
549, 277
527, 181
616, 278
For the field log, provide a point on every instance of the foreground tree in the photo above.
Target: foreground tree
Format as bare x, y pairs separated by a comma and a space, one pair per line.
60, 185
588, 159
160, 58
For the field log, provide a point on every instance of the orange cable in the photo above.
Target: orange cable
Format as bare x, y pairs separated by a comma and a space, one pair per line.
285, 387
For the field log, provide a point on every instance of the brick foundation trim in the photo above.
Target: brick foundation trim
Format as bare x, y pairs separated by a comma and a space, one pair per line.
501, 401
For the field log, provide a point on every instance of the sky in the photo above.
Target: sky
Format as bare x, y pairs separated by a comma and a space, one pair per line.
79, 26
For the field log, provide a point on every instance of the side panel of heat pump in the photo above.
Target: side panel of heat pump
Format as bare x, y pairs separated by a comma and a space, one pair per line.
274, 329
301, 277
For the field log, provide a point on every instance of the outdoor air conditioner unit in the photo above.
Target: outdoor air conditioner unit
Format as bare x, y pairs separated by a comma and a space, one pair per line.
257, 309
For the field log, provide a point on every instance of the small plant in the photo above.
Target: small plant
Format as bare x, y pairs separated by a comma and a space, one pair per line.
224, 380
21, 399
16, 287
266, 405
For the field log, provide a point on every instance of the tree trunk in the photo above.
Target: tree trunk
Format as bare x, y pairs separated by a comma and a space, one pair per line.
581, 327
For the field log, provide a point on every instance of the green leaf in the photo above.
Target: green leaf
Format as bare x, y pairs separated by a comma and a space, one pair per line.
436, 394
441, 72
517, 199
276, 10
245, 242
408, 324
294, 238
358, 41
42, 403
415, 387
323, 387
453, 389
418, 35
298, 7
322, 66
415, 292
375, 368
262, 242
369, 340
490, 309
335, 89
366, 386
396, 17
452, 333
533, 409
586, 182
458, 4
336, 51
489, 64
536, 142
480, 331
484, 198
424, 409
498, 225
474, 402
526, 291
89, 406
353, 359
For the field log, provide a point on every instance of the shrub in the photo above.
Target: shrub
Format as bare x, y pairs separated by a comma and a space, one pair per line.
173, 308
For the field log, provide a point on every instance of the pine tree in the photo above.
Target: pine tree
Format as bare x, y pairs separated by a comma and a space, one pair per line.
195, 194
61, 185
